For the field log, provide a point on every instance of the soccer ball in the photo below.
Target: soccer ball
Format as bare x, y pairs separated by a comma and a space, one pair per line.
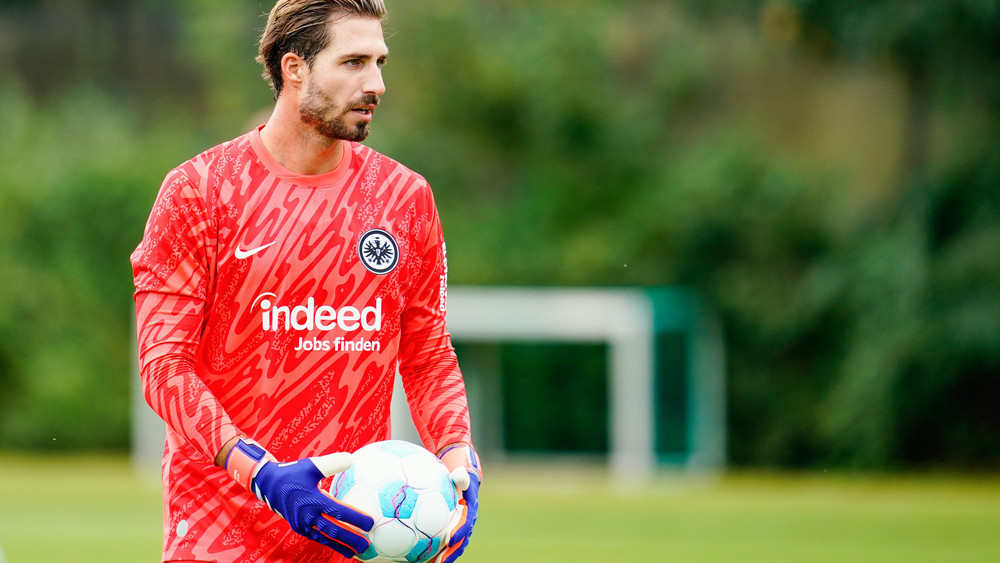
406, 489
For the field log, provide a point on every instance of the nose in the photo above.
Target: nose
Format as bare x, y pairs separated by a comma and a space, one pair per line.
373, 82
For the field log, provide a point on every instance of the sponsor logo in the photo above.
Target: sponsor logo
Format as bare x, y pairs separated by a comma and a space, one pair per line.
339, 344
378, 251
244, 254
310, 317
443, 290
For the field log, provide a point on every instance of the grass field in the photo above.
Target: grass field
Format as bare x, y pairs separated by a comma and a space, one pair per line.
96, 509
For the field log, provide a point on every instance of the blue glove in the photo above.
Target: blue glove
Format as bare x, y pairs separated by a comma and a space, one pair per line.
467, 476
292, 491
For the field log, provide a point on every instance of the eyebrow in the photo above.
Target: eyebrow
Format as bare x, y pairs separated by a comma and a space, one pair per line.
352, 56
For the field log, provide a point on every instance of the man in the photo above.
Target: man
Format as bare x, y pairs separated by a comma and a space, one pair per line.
281, 279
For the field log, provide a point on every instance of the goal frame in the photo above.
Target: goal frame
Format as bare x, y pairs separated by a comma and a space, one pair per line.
627, 320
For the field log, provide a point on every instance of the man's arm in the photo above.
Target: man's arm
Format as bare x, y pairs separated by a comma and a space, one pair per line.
428, 366
169, 327
220, 459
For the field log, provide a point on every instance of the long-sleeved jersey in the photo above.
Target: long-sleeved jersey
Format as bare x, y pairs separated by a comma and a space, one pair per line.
279, 306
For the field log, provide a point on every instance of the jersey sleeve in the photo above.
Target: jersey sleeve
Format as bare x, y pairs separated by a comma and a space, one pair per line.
172, 269
428, 366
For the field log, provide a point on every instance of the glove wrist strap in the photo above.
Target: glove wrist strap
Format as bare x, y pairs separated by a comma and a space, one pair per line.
469, 459
244, 459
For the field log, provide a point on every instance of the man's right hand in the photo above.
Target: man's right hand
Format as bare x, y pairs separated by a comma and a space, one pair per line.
292, 491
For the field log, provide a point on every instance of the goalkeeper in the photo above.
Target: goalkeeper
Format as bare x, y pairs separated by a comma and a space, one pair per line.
282, 278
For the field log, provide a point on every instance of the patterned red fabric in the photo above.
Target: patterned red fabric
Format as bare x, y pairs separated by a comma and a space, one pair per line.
278, 305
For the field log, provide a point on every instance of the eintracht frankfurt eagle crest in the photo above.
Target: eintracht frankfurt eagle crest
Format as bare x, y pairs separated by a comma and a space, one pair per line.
378, 251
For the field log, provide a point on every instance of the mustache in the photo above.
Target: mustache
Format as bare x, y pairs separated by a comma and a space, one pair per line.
368, 99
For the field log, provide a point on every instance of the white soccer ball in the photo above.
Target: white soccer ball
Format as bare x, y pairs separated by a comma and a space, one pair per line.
406, 489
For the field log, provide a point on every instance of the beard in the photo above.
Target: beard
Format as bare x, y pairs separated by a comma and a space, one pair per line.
316, 108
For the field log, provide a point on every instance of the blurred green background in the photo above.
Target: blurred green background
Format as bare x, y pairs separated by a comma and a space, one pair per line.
825, 174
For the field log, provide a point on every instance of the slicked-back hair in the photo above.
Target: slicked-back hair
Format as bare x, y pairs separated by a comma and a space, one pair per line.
302, 27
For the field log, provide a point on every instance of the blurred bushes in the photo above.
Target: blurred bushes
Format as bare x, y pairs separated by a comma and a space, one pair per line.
593, 143
76, 181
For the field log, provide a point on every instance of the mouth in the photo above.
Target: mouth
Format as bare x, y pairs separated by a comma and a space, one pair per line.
364, 111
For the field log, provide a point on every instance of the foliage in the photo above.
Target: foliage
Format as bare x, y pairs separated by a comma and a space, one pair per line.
594, 143
924, 350
74, 198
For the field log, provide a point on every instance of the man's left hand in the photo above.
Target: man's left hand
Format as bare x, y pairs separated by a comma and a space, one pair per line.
467, 475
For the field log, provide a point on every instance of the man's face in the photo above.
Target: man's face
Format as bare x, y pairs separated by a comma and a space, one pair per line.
344, 83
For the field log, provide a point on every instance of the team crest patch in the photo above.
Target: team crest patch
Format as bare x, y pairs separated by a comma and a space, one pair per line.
378, 251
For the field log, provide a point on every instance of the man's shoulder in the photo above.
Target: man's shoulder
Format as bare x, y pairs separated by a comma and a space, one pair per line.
216, 160
386, 166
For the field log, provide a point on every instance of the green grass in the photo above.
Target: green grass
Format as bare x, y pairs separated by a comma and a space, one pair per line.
77, 509
96, 509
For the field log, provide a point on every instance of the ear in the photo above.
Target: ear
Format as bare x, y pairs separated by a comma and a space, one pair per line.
293, 69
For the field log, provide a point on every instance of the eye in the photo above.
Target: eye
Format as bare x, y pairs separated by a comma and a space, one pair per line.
353, 63
381, 62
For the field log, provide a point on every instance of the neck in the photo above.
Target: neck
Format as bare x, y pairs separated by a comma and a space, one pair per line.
297, 146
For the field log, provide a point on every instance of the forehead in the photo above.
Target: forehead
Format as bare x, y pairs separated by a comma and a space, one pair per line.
356, 35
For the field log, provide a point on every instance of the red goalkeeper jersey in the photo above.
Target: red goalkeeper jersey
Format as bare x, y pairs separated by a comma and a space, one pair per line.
278, 306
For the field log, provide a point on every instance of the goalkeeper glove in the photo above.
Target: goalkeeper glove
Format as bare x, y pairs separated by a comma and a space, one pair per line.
467, 474
292, 491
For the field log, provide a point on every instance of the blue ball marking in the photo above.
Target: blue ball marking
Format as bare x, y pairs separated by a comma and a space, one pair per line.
447, 489
397, 500
342, 483
368, 554
425, 547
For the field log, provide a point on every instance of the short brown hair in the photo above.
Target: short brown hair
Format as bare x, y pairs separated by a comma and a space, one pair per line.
301, 27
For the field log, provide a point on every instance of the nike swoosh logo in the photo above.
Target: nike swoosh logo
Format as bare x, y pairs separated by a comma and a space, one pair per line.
244, 254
